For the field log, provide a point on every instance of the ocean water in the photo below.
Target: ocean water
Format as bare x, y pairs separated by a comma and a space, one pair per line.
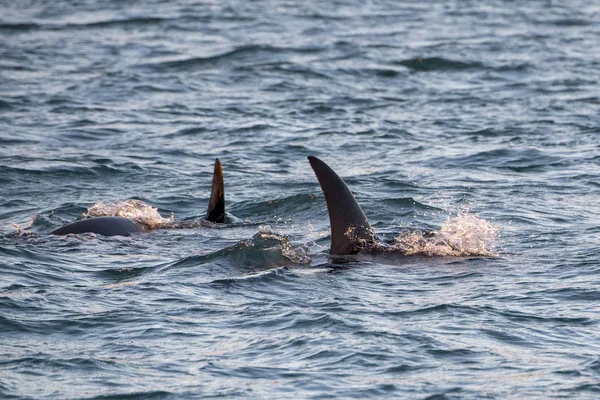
477, 120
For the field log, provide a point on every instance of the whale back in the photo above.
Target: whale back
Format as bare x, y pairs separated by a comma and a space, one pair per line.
350, 229
106, 226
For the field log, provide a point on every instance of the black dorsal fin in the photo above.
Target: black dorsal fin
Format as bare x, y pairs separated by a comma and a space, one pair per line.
216, 205
350, 229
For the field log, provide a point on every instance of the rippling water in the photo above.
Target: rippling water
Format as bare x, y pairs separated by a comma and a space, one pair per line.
425, 109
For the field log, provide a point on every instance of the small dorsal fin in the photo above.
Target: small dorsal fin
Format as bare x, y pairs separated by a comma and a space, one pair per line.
350, 229
216, 205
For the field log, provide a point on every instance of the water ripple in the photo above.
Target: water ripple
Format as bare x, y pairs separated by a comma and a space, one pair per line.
425, 110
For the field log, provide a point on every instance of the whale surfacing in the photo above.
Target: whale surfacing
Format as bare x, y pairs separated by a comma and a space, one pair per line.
121, 226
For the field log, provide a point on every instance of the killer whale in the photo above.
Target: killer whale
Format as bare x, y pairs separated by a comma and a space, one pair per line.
351, 232
121, 226
350, 229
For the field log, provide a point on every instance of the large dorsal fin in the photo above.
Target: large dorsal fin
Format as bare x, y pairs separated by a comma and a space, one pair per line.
350, 229
216, 205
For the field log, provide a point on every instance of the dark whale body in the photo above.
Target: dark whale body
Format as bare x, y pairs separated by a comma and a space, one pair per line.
120, 226
106, 226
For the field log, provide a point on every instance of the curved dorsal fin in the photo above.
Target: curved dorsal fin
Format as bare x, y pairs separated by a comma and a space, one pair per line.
350, 229
216, 205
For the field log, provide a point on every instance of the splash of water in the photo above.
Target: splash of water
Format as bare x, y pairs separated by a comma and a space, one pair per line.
22, 231
134, 209
461, 236
144, 214
268, 248
268, 239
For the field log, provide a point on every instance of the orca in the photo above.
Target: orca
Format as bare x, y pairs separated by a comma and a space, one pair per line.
352, 234
121, 226
350, 229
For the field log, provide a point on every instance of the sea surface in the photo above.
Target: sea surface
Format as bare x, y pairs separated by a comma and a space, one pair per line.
477, 121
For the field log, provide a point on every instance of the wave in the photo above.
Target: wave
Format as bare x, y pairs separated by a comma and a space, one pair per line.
142, 394
136, 21
285, 206
273, 274
526, 160
18, 27
266, 249
124, 273
429, 64
61, 169
126, 22
9, 325
409, 203
5, 105
243, 53
438, 64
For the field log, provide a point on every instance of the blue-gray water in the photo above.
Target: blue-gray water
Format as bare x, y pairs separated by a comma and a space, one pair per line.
424, 108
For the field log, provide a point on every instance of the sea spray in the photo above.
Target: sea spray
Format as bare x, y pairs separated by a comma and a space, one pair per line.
463, 235
134, 209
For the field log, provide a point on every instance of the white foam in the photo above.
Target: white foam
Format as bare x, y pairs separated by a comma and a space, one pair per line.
464, 235
134, 209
